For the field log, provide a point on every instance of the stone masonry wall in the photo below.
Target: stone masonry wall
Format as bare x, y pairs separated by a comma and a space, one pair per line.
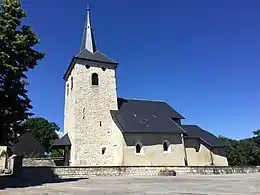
69, 111
37, 162
93, 130
85, 172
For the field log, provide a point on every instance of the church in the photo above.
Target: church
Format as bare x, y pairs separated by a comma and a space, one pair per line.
101, 129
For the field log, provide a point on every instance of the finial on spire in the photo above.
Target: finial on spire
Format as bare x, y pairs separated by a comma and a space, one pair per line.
88, 41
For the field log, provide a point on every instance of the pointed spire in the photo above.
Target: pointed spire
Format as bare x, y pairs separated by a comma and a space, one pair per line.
88, 41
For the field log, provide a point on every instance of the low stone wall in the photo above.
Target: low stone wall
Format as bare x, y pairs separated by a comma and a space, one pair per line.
46, 168
85, 172
37, 162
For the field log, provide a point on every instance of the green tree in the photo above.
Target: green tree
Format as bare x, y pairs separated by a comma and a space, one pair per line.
57, 153
17, 57
242, 152
43, 130
256, 133
256, 137
231, 150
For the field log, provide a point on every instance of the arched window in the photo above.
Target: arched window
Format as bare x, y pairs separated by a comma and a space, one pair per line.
197, 148
138, 148
166, 146
94, 79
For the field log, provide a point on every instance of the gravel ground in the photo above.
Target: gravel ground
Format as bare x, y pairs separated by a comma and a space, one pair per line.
184, 185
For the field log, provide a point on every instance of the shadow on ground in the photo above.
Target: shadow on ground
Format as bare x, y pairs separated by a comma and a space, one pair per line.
31, 177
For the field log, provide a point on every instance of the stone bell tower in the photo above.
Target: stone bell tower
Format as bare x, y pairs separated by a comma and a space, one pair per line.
89, 96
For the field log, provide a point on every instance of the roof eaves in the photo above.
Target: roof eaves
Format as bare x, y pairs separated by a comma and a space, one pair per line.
147, 100
191, 137
60, 142
198, 137
70, 67
74, 60
179, 117
151, 132
213, 146
96, 60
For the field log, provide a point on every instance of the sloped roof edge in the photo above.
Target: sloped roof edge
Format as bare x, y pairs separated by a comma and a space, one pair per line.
194, 131
64, 141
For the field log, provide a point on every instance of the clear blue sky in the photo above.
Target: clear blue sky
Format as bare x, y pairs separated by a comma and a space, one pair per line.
202, 57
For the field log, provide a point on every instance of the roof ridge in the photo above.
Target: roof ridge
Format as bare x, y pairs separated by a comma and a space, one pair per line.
208, 131
135, 99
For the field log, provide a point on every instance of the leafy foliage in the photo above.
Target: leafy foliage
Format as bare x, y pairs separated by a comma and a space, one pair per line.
243, 152
57, 153
33, 154
16, 58
43, 130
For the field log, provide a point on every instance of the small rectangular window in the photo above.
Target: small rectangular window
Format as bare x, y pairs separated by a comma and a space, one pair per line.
103, 150
83, 113
71, 85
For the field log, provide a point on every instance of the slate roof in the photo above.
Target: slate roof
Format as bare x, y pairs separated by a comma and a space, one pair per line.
88, 32
143, 116
96, 59
194, 131
60, 143
27, 144
96, 56
89, 55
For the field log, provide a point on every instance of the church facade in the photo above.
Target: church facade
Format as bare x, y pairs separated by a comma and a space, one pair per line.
102, 129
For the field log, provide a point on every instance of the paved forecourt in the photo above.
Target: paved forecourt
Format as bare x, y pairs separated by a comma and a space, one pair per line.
184, 185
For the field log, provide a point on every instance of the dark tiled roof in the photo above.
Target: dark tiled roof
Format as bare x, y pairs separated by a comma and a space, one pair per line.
96, 56
96, 59
28, 144
143, 116
64, 141
194, 131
